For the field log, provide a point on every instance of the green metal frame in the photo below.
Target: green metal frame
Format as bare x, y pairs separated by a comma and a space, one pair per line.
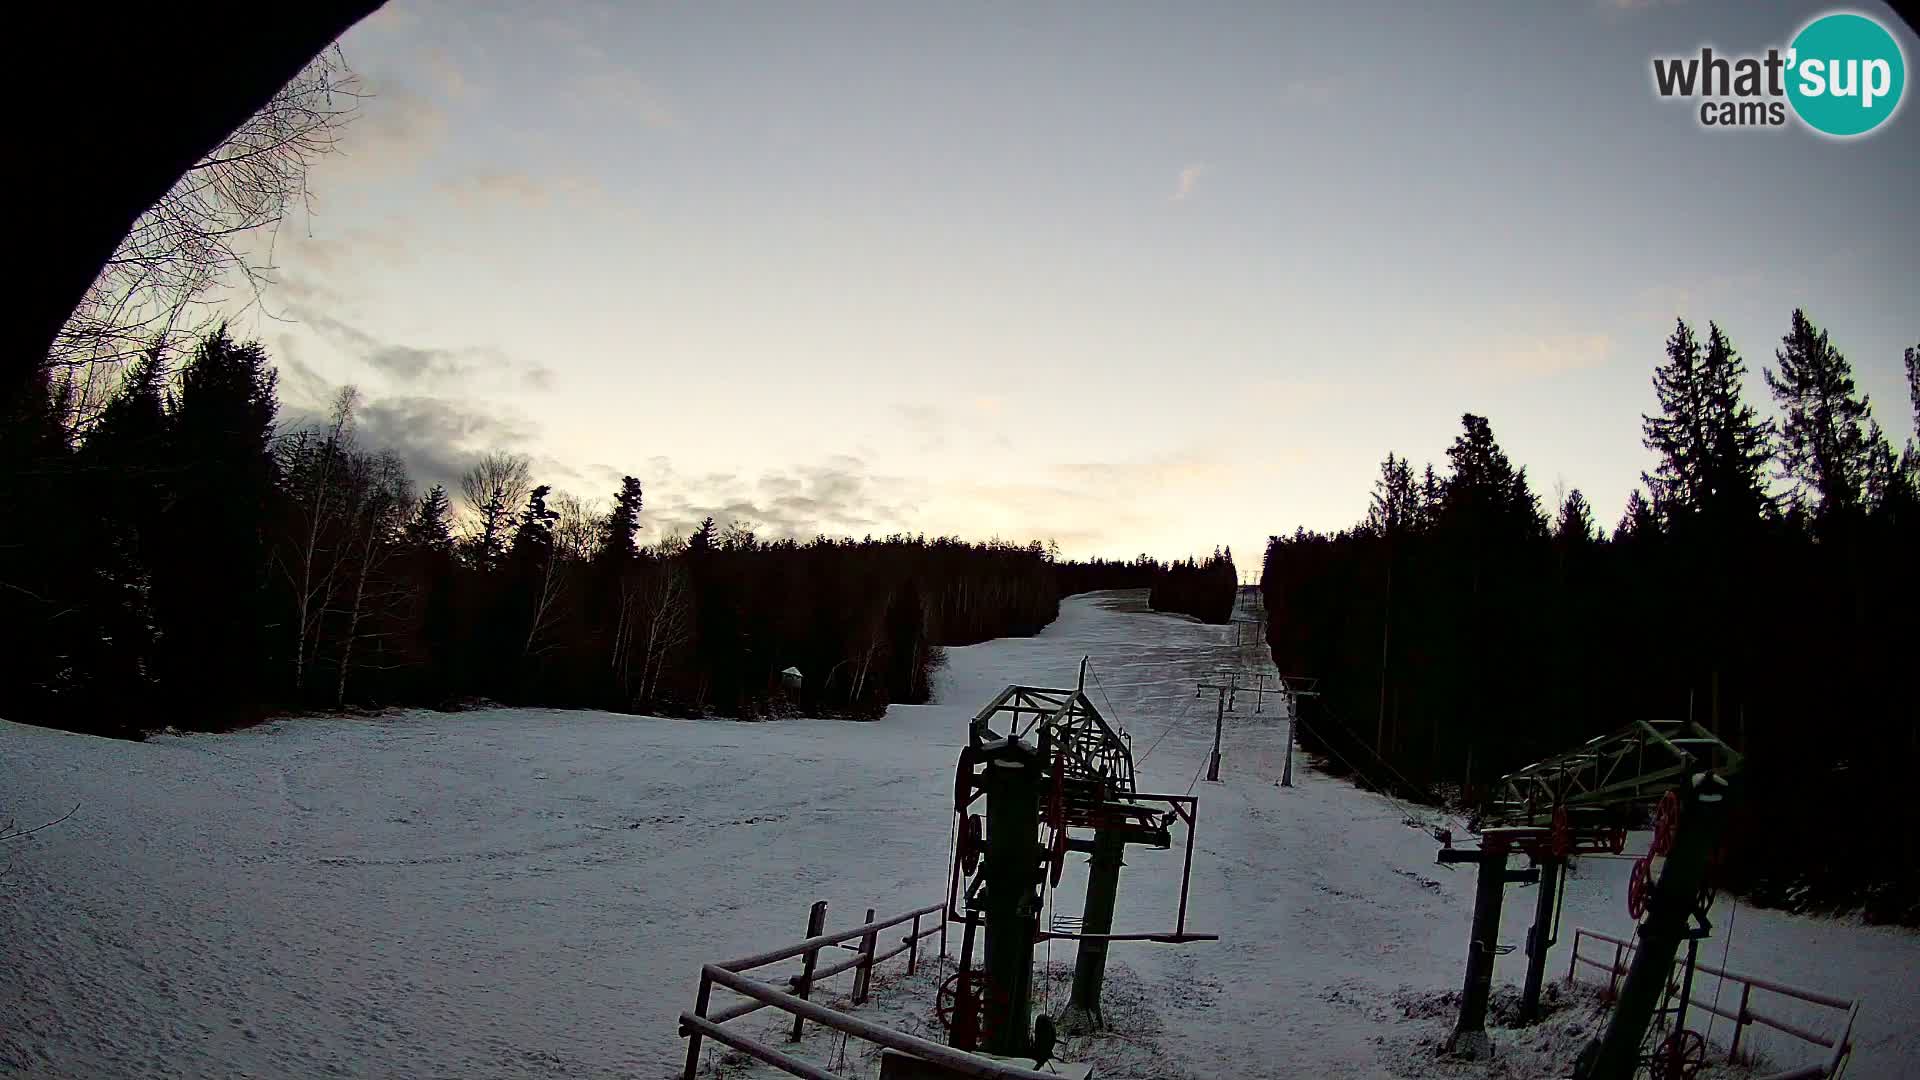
1637, 764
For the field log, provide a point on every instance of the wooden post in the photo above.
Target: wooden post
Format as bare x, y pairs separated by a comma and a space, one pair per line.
1739, 1025
693, 1039
816, 925
863, 971
913, 946
1613, 975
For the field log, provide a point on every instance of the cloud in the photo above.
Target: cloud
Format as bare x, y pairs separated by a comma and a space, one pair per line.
496, 189
836, 497
396, 129
1189, 177
629, 97
516, 190
437, 437
1546, 355
415, 364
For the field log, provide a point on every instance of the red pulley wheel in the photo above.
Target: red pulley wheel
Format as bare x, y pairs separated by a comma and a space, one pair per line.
1639, 885
961, 1006
971, 844
1666, 820
963, 781
1680, 1056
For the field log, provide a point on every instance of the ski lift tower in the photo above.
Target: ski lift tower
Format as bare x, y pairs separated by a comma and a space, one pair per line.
1583, 802
1056, 777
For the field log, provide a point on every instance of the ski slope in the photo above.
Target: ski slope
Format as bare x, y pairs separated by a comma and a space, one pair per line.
530, 893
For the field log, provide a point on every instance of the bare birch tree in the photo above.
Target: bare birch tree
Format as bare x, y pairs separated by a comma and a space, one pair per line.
380, 495
209, 241
665, 610
315, 465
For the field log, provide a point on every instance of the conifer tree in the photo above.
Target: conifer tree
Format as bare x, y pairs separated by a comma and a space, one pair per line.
1911, 462
705, 538
1574, 524
1638, 522
1396, 499
1825, 451
431, 526
623, 523
1713, 446
209, 572
1679, 433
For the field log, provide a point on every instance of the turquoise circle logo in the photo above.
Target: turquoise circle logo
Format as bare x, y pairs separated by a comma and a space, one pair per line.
1846, 74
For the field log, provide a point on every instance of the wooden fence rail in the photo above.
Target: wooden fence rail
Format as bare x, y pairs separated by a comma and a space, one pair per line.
1840, 1045
791, 995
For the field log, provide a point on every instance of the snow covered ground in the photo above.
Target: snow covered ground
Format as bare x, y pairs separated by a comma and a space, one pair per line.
520, 893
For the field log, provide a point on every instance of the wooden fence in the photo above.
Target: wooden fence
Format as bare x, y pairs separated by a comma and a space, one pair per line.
1840, 1044
791, 997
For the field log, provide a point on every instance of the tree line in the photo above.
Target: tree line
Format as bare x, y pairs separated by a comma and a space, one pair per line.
1204, 589
1762, 581
185, 562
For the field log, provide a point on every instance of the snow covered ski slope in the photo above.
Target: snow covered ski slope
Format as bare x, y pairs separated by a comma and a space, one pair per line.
526, 893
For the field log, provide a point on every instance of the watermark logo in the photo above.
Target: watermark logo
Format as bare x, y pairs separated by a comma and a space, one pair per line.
1843, 75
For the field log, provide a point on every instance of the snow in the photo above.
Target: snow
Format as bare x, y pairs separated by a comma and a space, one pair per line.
518, 893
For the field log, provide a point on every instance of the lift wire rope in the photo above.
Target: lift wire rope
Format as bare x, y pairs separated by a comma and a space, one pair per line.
1430, 823
1384, 763
1426, 824
1726, 952
1164, 732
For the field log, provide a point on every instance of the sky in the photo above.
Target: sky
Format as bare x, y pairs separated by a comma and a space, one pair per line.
1132, 277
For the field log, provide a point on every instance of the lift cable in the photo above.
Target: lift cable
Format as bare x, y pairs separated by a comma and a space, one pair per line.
1725, 953
1407, 784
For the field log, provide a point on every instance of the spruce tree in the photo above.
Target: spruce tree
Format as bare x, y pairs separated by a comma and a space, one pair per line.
1486, 496
1740, 443
210, 567
1825, 452
431, 526
1638, 522
1574, 524
534, 537
623, 523
1678, 434
704, 538
1713, 447
1910, 464
1396, 499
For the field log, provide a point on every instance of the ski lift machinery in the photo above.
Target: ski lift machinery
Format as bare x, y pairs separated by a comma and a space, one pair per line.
1054, 777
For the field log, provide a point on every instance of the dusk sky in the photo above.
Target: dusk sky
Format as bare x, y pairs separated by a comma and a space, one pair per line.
1133, 277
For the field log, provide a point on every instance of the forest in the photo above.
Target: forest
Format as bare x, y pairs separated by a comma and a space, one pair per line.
1202, 589
189, 563
185, 562
1762, 580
